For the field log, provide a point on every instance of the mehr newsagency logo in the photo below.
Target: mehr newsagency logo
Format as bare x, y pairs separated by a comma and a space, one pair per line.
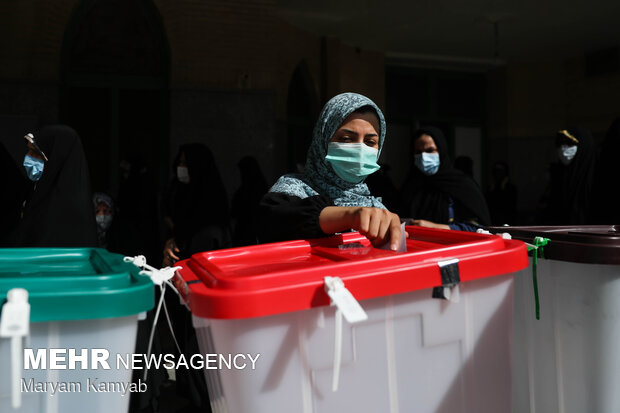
99, 359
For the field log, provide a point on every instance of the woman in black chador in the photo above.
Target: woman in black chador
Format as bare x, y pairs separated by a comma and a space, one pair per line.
567, 199
436, 194
50, 199
196, 205
198, 219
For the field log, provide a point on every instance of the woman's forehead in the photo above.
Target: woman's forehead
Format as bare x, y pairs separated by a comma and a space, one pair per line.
369, 117
425, 139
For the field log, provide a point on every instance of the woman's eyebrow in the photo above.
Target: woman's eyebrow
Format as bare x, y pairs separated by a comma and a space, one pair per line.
347, 131
351, 132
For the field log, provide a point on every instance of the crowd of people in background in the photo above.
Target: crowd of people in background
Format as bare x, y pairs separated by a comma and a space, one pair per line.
49, 203
48, 200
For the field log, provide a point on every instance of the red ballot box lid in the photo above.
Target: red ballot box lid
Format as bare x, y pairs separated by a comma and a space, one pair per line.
281, 277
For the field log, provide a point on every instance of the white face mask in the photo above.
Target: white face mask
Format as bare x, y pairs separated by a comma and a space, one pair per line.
566, 153
104, 221
183, 174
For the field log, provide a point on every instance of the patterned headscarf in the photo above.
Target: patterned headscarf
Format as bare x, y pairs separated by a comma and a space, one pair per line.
319, 176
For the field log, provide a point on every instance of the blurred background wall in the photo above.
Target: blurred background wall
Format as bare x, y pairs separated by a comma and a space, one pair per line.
137, 78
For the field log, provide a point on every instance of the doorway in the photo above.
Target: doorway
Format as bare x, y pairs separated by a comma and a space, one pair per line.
114, 87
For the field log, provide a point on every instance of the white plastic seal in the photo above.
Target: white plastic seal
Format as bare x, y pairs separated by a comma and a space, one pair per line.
344, 300
160, 277
15, 324
504, 235
348, 306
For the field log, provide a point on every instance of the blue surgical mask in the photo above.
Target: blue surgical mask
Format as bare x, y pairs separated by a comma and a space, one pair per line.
34, 167
352, 161
567, 153
426, 162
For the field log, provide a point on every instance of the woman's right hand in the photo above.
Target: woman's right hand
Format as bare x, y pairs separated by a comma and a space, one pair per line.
378, 225
170, 251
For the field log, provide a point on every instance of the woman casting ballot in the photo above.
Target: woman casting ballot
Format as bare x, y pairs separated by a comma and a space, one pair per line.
330, 196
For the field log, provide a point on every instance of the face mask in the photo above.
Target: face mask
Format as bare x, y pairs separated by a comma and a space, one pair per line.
352, 161
426, 162
104, 221
183, 174
567, 153
34, 167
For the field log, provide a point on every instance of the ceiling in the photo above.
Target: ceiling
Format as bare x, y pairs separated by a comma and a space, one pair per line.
480, 31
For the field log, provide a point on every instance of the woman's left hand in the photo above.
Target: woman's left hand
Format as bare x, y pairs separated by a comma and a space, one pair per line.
170, 251
428, 224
